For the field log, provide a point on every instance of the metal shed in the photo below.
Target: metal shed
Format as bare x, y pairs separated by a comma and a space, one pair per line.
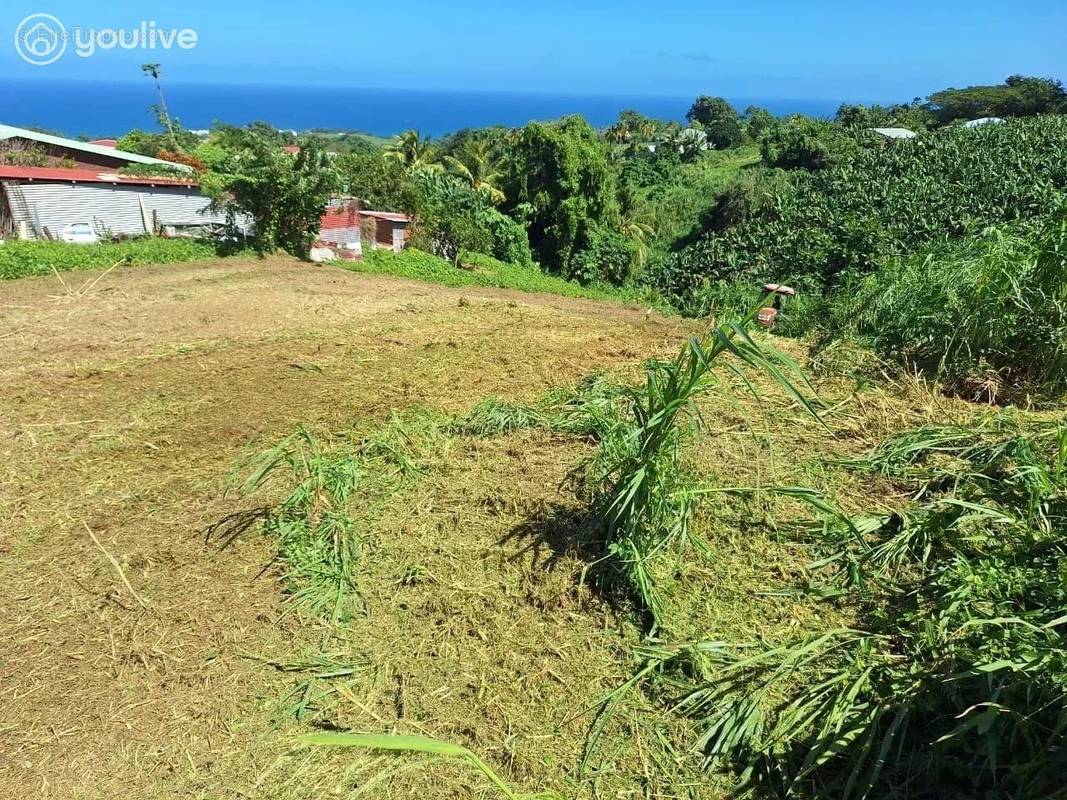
34, 201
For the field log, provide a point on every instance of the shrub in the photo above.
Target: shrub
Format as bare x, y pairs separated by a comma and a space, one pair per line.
986, 313
509, 242
610, 258
804, 143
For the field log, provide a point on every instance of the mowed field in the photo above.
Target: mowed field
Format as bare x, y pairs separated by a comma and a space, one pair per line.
141, 659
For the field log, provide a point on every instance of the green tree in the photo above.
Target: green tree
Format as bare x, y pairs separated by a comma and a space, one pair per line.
1018, 96
284, 196
636, 225
414, 152
380, 183
454, 218
758, 121
476, 165
718, 119
559, 184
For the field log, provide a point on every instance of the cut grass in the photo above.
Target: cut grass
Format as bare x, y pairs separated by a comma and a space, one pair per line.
319, 529
426, 746
479, 631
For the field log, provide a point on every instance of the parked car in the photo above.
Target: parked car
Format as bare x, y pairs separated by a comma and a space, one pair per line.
79, 233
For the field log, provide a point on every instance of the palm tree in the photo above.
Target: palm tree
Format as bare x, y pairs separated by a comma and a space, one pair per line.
635, 223
475, 165
414, 152
618, 133
155, 71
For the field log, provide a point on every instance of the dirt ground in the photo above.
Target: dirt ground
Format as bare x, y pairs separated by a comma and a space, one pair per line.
133, 651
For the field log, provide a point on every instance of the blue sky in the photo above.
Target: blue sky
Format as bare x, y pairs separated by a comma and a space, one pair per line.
799, 49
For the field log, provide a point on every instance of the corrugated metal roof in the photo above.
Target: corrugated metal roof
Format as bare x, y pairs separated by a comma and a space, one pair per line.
340, 218
337, 218
386, 215
84, 176
11, 132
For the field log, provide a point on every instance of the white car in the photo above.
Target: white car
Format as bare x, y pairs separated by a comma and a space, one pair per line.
79, 233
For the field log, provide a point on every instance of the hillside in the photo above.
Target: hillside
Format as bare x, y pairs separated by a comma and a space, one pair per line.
145, 658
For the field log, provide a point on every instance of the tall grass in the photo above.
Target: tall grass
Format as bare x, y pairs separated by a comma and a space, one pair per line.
987, 314
957, 687
641, 492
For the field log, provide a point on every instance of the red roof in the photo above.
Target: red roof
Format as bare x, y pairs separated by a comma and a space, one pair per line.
341, 217
292, 149
105, 142
84, 176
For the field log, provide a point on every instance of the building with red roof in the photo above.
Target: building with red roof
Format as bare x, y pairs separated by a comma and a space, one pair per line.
347, 225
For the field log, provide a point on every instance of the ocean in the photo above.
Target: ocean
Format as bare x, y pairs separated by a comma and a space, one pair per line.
101, 109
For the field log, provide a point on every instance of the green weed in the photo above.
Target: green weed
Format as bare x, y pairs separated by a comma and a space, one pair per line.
641, 492
988, 315
316, 536
426, 746
960, 679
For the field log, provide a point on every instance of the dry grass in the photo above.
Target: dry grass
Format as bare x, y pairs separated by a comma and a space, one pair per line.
126, 411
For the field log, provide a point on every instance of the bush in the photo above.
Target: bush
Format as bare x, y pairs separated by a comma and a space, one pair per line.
610, 258
509, 241
987, 313
954, 686
803, 143
23, 259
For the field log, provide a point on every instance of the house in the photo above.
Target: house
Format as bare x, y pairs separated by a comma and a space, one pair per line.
48, 182
895, 133
345, 223
23, 147
39, 202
